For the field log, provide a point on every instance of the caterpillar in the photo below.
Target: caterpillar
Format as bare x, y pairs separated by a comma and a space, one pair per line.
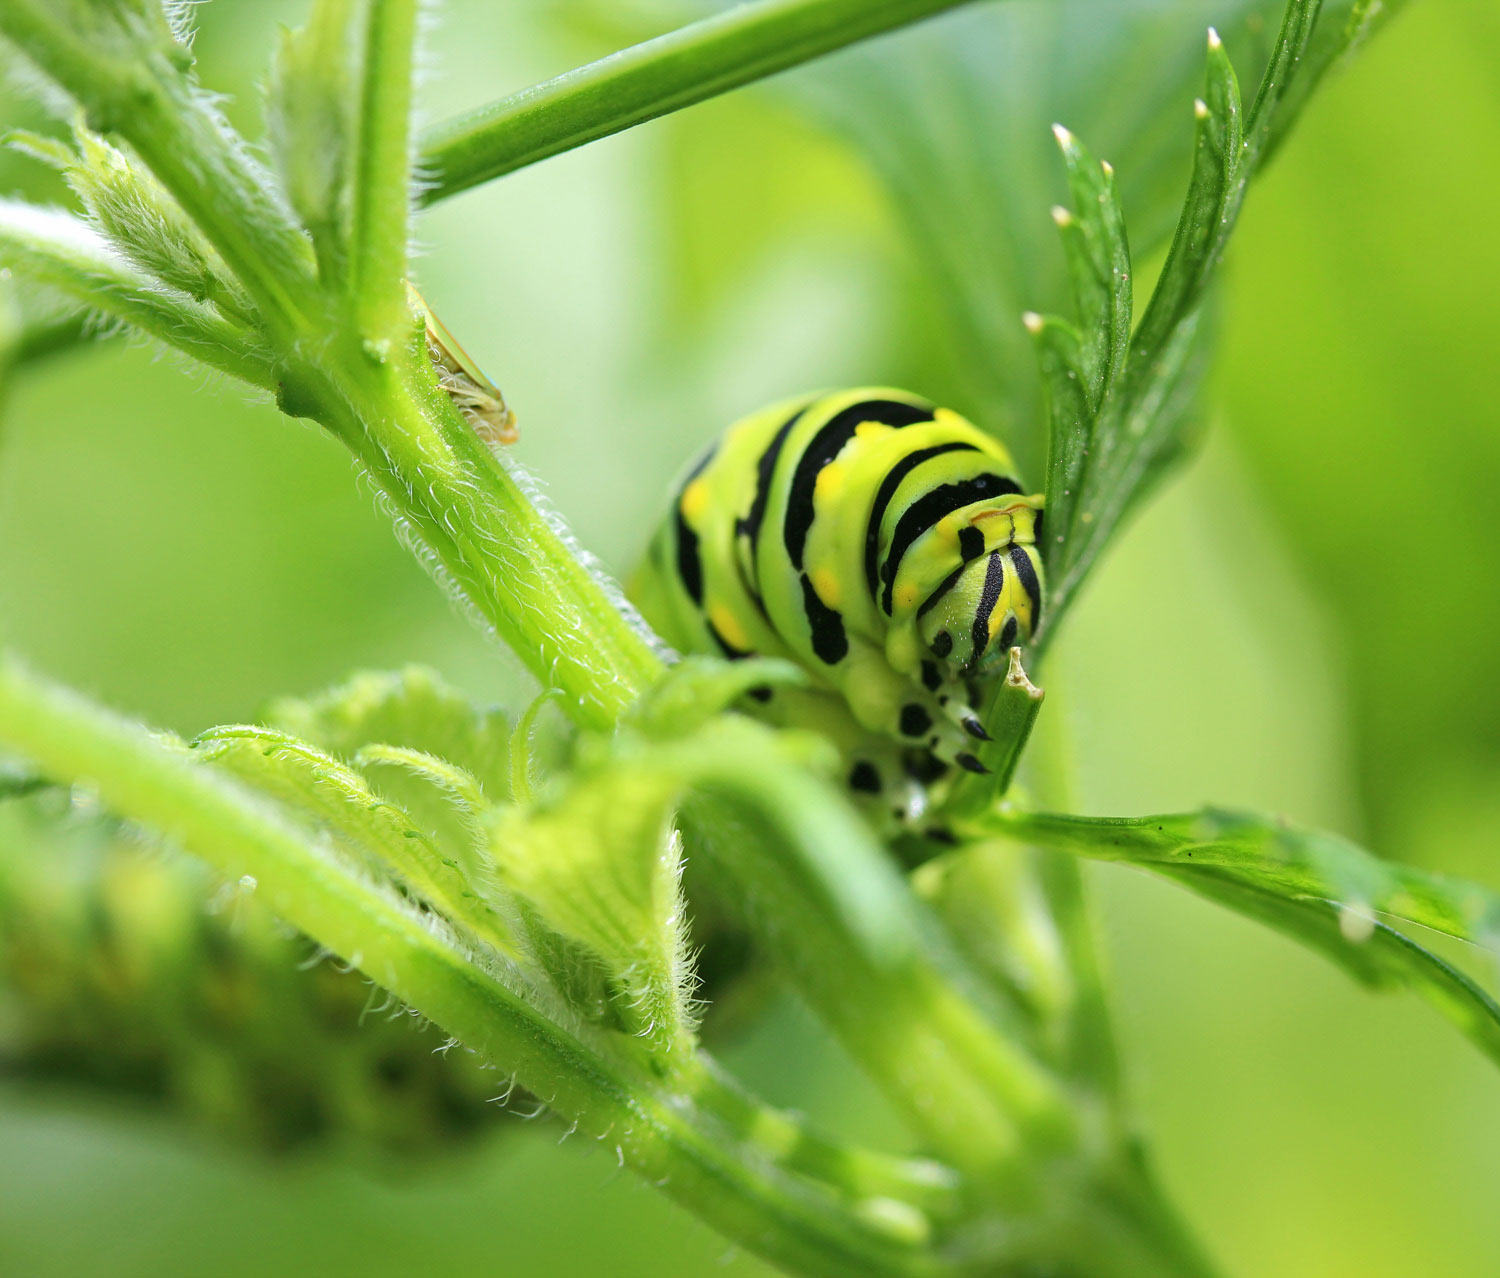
880, 542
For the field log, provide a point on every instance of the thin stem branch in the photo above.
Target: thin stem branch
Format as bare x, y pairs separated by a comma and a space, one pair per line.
381, 187
145, 98
727, 51
58, 250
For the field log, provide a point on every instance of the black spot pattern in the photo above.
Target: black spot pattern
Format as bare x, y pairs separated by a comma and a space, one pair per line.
932, 677
942, 643
864, 777
914, 720
970, 543
924, 767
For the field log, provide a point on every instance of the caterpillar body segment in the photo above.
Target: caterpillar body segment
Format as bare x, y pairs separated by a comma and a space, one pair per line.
883, 544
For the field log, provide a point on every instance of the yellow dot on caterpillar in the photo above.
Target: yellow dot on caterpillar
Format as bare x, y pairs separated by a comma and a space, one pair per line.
695, 500
998, 619
830, 482
906, 596
728, 625
826, 583
867, 431
947, 417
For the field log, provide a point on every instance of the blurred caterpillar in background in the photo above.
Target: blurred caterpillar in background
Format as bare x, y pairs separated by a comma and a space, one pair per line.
881, 543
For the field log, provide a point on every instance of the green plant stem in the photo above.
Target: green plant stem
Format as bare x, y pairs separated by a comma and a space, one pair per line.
58, 251
743, 44
736, 1187
805, 876
382, 172
471, 520
144, 97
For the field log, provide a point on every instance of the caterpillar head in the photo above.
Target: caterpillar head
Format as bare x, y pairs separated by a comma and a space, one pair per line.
993, 600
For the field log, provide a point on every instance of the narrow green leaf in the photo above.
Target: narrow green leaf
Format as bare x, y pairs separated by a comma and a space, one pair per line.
1098, 254
1385, 959
1306, 883
1071, 426
147, 226
1201, 229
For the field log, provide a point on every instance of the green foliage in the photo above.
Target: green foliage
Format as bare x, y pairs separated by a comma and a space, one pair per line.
538, 914
1317, 888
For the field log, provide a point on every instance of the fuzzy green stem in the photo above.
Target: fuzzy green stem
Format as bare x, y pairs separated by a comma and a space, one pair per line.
382, 172
59, 251
785, 1218
143, 96
467, 512
727, 51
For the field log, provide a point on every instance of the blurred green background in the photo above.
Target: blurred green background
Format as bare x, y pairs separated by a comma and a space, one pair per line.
1307, 621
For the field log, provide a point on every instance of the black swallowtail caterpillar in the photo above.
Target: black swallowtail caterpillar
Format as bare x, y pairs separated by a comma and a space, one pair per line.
883, 544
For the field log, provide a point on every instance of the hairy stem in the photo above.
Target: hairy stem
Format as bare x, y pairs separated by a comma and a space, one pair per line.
468, 514
382, 171
143, 96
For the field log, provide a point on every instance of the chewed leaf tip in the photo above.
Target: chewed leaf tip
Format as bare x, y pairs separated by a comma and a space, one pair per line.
1034, 322
1200, 108
1063, 135
1061, 215
1214, 42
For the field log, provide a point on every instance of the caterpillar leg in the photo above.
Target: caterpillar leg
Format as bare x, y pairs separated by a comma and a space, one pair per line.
882, 776
924, 713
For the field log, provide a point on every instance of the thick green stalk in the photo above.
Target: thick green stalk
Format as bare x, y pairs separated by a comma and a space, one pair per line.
806, 877
736, 1187
727, 51
466, 511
